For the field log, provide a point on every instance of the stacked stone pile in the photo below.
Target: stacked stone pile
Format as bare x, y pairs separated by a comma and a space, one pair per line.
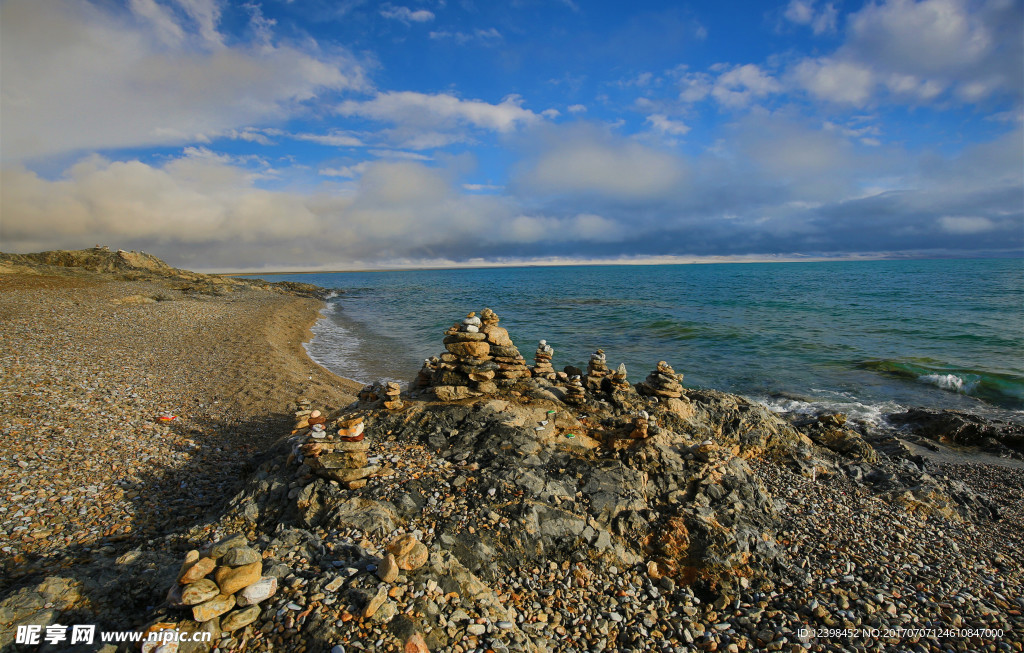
542, 361
426, 373
662, 382
223, 581
480, 358
392, 396
574, 392
341, 456
616, 381
303, 412
511, 364
641, 424
597, 369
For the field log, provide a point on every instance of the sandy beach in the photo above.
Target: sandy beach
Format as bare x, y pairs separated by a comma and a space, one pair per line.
84, 378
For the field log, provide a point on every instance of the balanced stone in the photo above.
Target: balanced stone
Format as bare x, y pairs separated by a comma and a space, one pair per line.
259, 591
616, 381
213, 608
199, 592
224, 545
242, 555
640, 426
392, 394
197, 570
232, 579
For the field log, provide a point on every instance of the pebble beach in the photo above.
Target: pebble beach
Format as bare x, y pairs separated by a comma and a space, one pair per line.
88, 366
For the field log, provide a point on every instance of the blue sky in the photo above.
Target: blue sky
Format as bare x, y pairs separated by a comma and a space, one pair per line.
322, 135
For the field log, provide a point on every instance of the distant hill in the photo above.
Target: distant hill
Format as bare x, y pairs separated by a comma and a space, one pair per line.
140, 265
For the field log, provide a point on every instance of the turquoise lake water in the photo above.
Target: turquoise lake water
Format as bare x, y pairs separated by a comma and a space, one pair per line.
864, 337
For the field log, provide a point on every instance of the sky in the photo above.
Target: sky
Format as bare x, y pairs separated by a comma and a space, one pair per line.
316, 134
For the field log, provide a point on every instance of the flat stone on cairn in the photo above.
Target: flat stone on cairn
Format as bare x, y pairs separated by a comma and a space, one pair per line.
542, 359
662, 382
341, 456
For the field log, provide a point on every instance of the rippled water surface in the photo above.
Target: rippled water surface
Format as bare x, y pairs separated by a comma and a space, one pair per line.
863, 337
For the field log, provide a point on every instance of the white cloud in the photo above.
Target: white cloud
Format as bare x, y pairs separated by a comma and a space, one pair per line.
406, 15
667, 126
348, 172
804, 12
479, 36
441, 110
587, 160
78, 77
694, 87
167, 29
334, 138
576, 108
836, 81
957, 224
739, 86
918, 51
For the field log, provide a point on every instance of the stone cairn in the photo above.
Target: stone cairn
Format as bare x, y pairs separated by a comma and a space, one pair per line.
616, 381
223, 580
341, 456
542, 361
392, 394
640, 425
426, 373
597, 369
574, 392
662, 382
480, 358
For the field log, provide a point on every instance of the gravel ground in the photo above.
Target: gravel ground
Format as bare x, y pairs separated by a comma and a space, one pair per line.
87, 465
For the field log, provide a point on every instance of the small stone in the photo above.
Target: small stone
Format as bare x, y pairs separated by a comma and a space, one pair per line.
375, 603
388, 569
240, 618
409, 552
416, 644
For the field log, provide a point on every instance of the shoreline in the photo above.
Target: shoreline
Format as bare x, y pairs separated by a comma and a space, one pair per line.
90, 363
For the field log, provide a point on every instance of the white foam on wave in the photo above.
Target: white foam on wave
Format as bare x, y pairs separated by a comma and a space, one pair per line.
336, 348
950, 382
870, 414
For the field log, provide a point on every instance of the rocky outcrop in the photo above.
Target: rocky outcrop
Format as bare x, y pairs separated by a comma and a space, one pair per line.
964, 429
